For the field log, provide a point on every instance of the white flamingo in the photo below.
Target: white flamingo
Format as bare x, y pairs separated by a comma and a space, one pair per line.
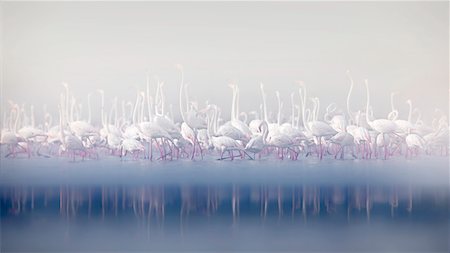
258, 142
383, 126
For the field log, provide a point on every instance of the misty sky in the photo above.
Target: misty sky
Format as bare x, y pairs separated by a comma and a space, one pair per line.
400, 47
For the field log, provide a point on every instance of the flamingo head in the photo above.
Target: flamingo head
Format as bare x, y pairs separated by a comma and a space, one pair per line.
179, 66
366, 81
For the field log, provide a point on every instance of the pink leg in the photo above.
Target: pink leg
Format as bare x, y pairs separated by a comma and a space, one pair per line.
193, 149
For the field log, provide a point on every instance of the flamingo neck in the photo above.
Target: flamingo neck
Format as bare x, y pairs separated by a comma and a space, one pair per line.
149, 108
392, 102
233, 101
264, 103
115, 112
265, 131
237, 102
162, 100
368, 102
183, 117
72, 108
67, 103
292, 110
16, 122
410, 111
279, 108
317, 110
32, 116
61, 128
350, 114
313, 113
89, 108
135, 109
303, 104
102, 108
141, 119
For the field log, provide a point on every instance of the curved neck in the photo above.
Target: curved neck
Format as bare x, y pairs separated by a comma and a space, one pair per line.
16, 122
279, 108
233, 102
209, 121
72, 108
67, 102
264, 102
350, 114
135, 109
237, 102
123, 119
265, 131
61, 128
392, 102
245, 115
11, 114
292, 109
308, 117
89, 108
183, 117
303, 104
419, 117
368, 101
149, 108
171, 112
410, 111
215, 119
113, 110
157, 98
317, 109
186, 96
102, 108
162, 99
32, 116
141, 119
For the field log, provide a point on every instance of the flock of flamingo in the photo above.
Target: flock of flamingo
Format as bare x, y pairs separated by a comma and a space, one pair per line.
145, 129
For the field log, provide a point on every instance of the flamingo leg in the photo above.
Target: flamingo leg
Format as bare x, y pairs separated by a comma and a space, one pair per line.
193, 148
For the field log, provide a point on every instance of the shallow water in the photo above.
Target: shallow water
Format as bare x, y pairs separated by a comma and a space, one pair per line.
351, 205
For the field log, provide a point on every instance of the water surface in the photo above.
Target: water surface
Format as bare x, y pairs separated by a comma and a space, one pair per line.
109, 205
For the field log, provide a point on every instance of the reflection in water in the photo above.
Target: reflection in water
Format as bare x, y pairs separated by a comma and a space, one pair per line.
157, 201
229, 217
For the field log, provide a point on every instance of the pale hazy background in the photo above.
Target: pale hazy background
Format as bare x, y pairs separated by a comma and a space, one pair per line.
399, 47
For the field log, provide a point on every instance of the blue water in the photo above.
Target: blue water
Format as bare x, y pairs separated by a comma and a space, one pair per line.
220, 206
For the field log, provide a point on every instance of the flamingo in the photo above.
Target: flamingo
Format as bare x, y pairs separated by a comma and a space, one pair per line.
81, 128
9, 136
192, 123
414, 143
235, 122
133, 146
343, 140
318, 129
258, 142
70, 142
403, 126
383, 126
31, 134
203, 127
